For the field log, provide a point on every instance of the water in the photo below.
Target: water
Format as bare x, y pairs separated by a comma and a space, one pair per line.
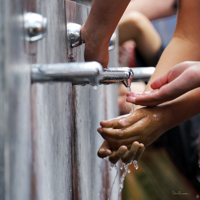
126, 170
129, 89
122, 178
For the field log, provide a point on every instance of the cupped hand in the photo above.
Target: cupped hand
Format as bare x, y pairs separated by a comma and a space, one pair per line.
177, 81
123, 153
144, 125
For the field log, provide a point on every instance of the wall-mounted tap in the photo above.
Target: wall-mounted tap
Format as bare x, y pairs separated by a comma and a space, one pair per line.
76, 73
35, 26
75, 38
116, 75
81, 73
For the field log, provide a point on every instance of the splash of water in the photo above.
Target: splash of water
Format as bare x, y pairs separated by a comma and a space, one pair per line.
122, 178
126, 170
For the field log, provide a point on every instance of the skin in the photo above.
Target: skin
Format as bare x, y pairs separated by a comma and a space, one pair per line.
99, 28
137, 27
123, 153
124, 106
184, 46
177, 81
152, 9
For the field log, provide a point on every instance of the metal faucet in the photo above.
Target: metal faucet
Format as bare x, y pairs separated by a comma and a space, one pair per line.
116, 75
81, 73
75, 38
76, 73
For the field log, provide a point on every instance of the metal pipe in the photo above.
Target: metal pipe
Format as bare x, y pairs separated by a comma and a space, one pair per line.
116, 75
142, 73
76, 73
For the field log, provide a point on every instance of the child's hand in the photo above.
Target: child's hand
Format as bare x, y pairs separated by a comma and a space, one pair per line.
144, 125
123, 153
177, 81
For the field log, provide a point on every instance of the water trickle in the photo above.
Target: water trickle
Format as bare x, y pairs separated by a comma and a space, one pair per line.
135, 164
129, 89
126, 170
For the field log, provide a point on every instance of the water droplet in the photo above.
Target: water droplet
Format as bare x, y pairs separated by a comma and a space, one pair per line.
129, 89
135, 164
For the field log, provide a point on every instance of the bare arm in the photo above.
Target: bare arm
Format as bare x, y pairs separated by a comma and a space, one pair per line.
176, 82
153, 9
99, 27
147, 124
184, 46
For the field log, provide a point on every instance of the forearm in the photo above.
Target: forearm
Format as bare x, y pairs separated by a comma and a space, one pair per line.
185, 44
183, 108
178, 50
104, 17
99, 27
152, 9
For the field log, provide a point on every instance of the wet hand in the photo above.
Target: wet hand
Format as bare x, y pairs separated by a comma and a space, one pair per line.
144, 125
123, 153
177, 81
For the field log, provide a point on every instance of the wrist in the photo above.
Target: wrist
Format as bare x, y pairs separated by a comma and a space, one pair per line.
96, 48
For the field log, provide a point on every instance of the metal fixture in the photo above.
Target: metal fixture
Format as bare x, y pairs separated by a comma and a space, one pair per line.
35, 26
77, 73
74, 34
112, 42
81, 73
116, 75
143, 73
75, 38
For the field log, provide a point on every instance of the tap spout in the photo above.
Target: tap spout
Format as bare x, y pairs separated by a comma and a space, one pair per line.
116, 75
76, 39
76, 73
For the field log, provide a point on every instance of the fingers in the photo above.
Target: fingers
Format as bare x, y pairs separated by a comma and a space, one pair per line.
134, 153
116, 155
150, 98
113, 123
159, 82
123, 121
104, 150
139, 151
129, 132
123, 153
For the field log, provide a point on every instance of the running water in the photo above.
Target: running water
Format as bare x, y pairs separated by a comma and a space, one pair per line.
122, 178
129, 89
126, 170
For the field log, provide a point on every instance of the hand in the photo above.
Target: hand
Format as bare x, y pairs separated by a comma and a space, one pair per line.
95, 49
123, 153
124, 106
144, 125
179, 80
